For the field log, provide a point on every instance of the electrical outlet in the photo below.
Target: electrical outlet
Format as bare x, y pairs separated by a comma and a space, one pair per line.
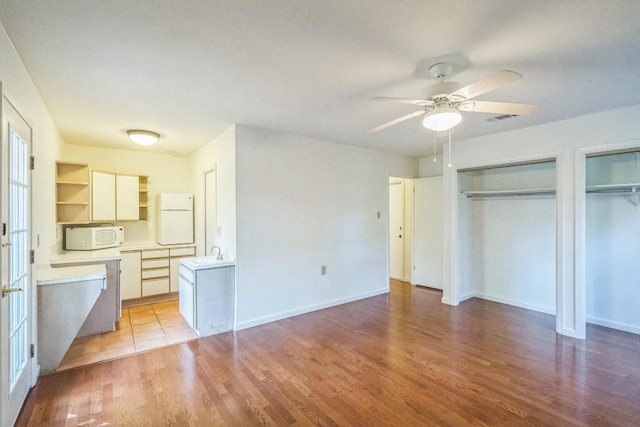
378, 214
323, 270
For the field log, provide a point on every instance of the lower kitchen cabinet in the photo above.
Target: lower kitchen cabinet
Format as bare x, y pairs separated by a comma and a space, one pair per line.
155, 272
130, 278
152, 272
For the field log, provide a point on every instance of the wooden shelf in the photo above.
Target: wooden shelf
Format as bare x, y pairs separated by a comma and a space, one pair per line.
143, 209
72, 193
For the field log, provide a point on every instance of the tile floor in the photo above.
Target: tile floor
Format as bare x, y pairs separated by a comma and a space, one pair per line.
141, 328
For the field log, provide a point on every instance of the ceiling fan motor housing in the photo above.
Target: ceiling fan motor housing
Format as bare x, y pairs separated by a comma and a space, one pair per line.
442, 90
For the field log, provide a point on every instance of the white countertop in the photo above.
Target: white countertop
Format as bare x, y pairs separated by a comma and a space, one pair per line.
71, 257
47, 275
206, 262
140, 246
62, 257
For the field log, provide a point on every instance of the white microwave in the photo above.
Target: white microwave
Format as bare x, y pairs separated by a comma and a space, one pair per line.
91, 238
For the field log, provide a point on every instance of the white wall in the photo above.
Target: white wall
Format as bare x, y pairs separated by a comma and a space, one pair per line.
167, 174
18, 88
567, 141
303, 203
221, 155
427, 167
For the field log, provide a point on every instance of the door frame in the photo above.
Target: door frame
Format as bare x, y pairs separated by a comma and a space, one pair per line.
408, 221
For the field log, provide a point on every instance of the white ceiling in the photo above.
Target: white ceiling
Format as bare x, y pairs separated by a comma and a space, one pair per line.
188, 69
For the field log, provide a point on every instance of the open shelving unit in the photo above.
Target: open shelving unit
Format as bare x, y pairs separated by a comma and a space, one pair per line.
144, 198
72, 193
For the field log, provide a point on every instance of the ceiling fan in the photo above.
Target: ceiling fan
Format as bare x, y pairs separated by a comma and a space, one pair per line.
446, 100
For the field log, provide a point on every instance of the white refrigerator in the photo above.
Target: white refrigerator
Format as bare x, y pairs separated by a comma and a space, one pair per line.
175, 218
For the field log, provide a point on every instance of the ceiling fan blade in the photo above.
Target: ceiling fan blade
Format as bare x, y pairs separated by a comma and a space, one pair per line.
487, 84
398, 120
499, 107
403, 100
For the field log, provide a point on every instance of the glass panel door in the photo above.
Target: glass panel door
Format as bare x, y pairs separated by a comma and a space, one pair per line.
15, 268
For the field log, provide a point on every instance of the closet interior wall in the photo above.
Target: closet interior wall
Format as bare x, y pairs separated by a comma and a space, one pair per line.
509, 240
613, 243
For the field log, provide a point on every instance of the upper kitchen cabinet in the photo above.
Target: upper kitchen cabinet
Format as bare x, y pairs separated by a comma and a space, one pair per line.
127, 197
114, 197
72, 192
103, 196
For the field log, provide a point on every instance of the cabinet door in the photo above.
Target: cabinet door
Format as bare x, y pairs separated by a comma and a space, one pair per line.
127, 198
178, 254
103, 196
131, 280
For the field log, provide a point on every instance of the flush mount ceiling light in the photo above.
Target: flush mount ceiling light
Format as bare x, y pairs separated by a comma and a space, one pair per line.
442, 118
143, 137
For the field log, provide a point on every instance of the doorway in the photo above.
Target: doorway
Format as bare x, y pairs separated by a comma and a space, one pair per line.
400, 228
16, 301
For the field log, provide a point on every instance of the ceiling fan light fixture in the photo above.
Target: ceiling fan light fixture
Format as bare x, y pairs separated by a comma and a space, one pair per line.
143, 137
441, 119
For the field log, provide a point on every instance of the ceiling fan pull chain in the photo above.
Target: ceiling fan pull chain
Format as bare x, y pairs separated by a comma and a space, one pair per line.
449, 147
434, 147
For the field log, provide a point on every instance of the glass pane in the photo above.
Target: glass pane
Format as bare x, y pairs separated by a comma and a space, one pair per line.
18, 254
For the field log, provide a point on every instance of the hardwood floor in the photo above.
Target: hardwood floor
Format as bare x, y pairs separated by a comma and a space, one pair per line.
398, 359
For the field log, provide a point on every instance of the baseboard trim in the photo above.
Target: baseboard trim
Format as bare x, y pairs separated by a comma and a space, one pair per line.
515, 303
308, 309
614, 325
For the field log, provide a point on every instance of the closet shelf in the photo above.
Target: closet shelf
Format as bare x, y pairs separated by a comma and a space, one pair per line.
614, 188
510, 193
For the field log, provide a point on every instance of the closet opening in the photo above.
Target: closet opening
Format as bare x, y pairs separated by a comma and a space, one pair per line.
507, 234
612, 240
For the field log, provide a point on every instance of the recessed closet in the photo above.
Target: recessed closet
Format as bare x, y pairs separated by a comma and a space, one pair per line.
507, 234
612, 250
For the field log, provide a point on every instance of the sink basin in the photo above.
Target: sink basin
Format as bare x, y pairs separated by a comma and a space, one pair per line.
202, 262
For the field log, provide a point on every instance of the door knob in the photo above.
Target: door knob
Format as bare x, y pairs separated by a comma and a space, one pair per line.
6, 290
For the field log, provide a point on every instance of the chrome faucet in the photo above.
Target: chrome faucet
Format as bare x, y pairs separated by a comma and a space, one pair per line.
219, 255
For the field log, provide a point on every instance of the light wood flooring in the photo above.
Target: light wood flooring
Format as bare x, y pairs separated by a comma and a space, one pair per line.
141, 328
400, 359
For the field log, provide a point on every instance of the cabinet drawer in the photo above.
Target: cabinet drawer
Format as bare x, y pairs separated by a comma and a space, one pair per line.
187, 274
155, 286
156, 272
155, 263
155, 253
182, 251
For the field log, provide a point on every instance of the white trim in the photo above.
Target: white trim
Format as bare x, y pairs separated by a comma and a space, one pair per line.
303, 310
512, 302
614, 325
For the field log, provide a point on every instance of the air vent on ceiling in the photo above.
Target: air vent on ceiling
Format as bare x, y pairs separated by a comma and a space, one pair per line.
501, 117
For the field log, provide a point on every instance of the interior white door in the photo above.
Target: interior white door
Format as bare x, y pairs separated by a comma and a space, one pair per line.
396, 228
16, 300
427, 232
210, 207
